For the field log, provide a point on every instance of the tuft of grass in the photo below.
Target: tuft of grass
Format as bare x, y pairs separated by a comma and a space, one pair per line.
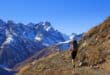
93, 56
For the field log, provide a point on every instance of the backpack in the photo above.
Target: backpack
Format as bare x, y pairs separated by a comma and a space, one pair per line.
75, 45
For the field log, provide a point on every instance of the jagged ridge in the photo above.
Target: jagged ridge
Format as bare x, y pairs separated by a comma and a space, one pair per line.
19, 41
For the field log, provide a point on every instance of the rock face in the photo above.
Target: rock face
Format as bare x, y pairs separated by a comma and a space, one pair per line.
19, 41
94, 48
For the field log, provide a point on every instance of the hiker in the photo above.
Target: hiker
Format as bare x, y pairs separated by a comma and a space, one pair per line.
73, 48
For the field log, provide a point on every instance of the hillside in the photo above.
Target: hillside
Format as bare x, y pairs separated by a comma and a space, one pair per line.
93, 52
95, 46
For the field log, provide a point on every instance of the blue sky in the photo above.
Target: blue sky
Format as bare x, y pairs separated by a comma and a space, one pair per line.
65, 15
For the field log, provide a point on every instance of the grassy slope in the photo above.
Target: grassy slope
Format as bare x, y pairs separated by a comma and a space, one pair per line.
95, 46
58, 64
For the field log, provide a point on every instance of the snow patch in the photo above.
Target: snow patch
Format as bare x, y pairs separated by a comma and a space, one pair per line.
38, 37
43, 23
65, 42
72, 37
48, 28
9, 38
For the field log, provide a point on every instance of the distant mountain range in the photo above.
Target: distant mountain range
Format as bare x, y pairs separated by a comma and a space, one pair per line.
19, 42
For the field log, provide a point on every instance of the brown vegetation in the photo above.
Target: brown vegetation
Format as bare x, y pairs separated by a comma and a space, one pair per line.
97, 39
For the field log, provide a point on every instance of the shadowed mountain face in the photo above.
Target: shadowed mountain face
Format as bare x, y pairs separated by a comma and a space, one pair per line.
94, 50
5, 72
19, 41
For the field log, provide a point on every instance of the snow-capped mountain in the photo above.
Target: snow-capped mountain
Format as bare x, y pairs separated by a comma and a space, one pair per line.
76, 36
19, 41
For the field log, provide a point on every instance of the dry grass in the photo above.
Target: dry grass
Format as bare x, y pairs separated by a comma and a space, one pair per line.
93, 56
106, 67
90, 55
92, 31
23, 69
58, 64
100, 28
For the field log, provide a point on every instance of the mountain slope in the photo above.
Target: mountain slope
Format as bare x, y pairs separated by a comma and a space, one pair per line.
95, 46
